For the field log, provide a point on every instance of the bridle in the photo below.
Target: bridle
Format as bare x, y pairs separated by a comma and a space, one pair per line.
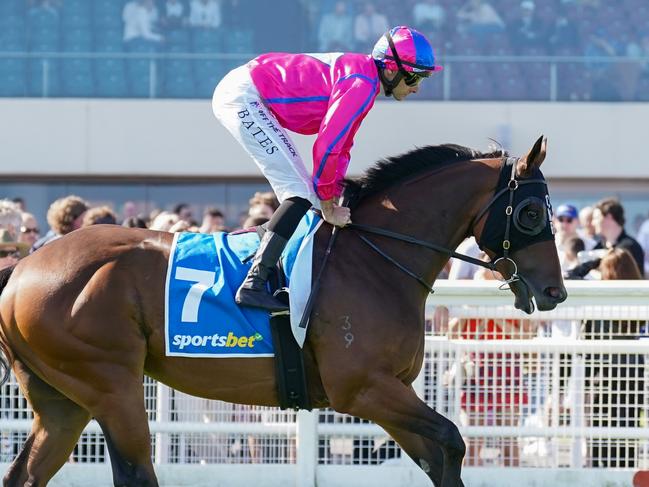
510, 187
511, 214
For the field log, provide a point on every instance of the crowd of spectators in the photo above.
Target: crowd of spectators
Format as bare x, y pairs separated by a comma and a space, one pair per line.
565, 28
578, 28
501, 27
586, 34
21, 234
583, 237
156, 20
562, 27
144, 20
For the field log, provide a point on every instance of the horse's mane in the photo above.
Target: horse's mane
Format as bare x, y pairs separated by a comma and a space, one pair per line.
393, 170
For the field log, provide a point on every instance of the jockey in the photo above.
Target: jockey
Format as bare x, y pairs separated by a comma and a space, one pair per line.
328, 94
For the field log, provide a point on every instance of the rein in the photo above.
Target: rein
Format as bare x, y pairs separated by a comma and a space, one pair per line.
511, 187
415, 241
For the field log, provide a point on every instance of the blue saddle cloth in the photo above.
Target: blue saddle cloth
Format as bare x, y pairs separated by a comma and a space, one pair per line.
203, 275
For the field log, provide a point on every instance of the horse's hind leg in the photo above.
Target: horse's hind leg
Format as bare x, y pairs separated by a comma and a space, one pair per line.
427, 455
124, 421
393, 405
58, 423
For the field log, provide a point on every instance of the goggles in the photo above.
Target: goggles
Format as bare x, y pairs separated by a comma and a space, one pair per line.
413, 79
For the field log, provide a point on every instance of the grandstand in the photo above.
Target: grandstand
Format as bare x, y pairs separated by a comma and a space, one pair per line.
76, 48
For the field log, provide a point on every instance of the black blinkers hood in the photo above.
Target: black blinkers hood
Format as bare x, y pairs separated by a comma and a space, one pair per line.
529, 198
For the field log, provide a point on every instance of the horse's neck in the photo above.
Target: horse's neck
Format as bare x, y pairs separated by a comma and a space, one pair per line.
438, 208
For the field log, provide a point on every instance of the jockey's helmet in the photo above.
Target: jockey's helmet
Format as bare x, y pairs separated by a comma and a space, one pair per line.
406, 51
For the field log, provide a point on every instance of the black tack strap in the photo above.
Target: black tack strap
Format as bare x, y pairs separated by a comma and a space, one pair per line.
400, 266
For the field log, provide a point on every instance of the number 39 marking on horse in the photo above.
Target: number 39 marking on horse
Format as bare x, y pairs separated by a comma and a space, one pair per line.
204, 280
347, 326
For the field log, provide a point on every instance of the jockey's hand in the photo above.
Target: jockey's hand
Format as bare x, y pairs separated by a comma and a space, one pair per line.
334, 214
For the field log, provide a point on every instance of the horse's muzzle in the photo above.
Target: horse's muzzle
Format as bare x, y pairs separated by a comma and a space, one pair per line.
559, 294
545, 300
551, 297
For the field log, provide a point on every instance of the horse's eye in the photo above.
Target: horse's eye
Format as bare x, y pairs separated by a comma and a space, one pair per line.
532, 214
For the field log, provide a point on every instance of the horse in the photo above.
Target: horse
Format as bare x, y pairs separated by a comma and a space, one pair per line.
82, 319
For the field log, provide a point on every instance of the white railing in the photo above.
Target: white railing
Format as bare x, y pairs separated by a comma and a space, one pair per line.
530, 405
551, 63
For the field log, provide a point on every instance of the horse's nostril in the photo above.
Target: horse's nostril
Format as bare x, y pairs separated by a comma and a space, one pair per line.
555, 293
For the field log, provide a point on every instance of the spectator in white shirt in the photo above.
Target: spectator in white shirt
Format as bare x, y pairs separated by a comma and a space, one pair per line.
205, 14
461, 269
566, 224
45, 7
428, 15
174, 14
587, 229
369, 26
140, 18
480, 18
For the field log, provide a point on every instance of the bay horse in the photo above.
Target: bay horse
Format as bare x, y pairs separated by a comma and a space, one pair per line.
82, 319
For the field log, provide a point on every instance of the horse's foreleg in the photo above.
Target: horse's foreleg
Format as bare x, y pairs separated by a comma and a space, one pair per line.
58, 423
124, 421
396, 407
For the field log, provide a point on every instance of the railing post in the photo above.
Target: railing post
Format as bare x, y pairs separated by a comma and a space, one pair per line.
458, 382
163, 415
554, 79
153, 75
555, 398
419, 384
447, 82
46, 78
577, 408
441, 360
307, 448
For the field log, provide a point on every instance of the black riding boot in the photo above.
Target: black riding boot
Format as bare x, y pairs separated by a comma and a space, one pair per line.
281, 226
253, 292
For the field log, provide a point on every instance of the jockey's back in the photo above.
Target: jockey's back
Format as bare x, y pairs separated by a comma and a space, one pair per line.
299, 88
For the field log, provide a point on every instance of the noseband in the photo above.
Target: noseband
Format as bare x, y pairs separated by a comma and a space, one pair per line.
512, 215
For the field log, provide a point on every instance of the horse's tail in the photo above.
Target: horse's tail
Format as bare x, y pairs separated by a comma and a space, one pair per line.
5, 351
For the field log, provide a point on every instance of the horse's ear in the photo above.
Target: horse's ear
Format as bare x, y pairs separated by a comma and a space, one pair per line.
534, 158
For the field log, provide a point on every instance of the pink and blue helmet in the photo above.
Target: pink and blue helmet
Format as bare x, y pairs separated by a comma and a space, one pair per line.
413, 54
